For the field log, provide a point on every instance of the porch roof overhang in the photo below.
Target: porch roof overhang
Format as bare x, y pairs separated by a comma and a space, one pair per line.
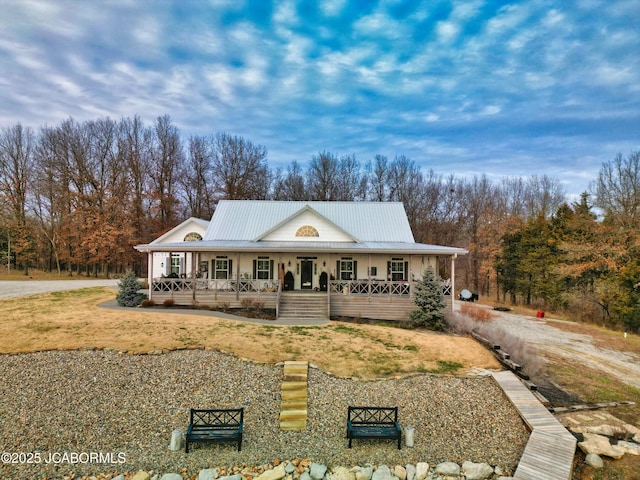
303, 247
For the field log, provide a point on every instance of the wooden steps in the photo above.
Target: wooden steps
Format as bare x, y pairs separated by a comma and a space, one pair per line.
293, 396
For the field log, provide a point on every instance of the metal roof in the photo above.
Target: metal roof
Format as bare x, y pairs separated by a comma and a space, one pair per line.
364, 221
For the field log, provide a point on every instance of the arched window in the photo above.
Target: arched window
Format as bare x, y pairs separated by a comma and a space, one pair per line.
307, 231
192, 237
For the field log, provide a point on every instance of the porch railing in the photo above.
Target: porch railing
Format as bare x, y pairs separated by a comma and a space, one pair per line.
379, 287
221, 285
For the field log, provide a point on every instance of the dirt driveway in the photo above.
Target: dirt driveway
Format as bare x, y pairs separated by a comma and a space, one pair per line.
541, 334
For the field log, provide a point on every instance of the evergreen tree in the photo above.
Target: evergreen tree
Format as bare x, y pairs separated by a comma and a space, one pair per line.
430, 300
129, 294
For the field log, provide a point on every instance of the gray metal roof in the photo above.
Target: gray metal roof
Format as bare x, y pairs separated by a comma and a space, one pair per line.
303, 247
364, 221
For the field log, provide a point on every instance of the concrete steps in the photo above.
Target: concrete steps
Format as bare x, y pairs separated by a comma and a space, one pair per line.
293, 396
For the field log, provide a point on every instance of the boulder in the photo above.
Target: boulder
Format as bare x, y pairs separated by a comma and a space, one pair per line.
171, 476
594, 460
411, 472
477, 471
304, 475
628, 447
237, 476
400, 472
382, 473
600, 446
448, 469
208, 474
316, 470
277, 473
342, 473
177, 441
363, 473
141, 475
422, 470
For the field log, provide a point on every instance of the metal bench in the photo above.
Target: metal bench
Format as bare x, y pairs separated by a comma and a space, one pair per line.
373, 422
215, 426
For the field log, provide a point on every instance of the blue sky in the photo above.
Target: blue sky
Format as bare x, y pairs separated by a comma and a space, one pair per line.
468, 87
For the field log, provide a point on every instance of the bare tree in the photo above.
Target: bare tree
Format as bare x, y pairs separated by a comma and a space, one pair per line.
291, 186
322, 177
378, 172
617, 191
196, 177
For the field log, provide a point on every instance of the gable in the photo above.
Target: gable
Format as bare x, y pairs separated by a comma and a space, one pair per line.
186, 231
307, 226
251, 220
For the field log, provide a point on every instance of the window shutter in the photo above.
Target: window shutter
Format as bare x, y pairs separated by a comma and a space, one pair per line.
167, 265
181, 265
338, 275
230, 271
355, 270
388, 270
255, 269
270, 269
405, 275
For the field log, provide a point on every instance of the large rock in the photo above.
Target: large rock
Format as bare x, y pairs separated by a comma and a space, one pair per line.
208, 474
422, 470
363, 473
177, 441
237, 476
477, 471
141, 475
628, 447
342, 473
317, 471
594, 460
277, 473
382, 473
600, 446
171, 476
411, 472
400, 472
448, 469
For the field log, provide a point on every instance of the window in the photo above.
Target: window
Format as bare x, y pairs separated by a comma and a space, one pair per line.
176, 261
263, 270
307, 231
397, 270
221, 268
192, 237
347, 269
373, 271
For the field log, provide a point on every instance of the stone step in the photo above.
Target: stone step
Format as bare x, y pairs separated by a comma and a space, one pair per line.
293, 425
287, 405
293, 396
287, 415
293, 385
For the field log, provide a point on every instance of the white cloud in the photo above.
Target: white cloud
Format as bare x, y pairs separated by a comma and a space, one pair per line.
447, 31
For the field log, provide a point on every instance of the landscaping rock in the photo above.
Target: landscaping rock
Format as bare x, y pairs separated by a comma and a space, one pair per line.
289, 468
277, 473
448, 469
141, 475
208, 474
316, 470
422, 470
477, 471
305, 476
400, 472
171, 476
342, 473
382, 473
594, 460
628, 447
363, 473
231, 477
411, 472
177, 441
600, 446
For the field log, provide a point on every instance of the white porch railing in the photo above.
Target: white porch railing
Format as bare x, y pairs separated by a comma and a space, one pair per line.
221, 285
379, 287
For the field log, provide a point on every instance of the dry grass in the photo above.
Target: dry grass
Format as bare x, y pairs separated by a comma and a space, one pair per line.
602, 337
72, 320
478, 313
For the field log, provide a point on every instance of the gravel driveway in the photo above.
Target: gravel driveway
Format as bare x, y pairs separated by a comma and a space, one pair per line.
18, 288
541, 334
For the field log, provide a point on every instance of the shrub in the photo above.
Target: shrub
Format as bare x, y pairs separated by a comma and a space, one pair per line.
169, 302
247, 304
147, 302
259, 306
431, 303
129, 294
224, 306
479, 314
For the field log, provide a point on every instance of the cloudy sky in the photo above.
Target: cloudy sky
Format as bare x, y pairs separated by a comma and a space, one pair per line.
463, 87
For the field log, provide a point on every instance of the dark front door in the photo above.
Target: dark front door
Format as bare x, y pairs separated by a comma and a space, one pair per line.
306, 274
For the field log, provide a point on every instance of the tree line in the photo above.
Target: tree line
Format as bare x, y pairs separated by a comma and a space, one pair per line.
76, 197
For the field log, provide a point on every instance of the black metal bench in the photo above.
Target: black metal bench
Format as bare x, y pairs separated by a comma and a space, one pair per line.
373, 422
215, 426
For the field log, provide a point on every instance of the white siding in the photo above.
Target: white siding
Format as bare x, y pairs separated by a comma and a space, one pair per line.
326, 231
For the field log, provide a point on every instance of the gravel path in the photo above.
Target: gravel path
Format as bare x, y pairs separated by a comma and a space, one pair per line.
17, 288
105, 402
580, 348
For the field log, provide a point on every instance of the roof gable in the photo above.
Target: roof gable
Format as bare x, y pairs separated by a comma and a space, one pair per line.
309, 219
178, 233
253, 220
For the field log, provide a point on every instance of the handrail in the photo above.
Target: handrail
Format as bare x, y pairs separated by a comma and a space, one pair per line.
278, 300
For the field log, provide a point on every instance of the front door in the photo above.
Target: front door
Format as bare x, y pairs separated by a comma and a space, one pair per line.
306, 274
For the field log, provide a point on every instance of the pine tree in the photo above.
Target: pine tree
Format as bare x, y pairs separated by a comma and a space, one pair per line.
429, 297
129, 294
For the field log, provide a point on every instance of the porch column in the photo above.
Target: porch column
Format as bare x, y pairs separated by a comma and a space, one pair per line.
238, 277
150, 272
453, 280
193, 276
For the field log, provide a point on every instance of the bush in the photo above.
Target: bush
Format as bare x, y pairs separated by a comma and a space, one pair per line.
431, 302
129, 294
479, 314
169, 302
147, 302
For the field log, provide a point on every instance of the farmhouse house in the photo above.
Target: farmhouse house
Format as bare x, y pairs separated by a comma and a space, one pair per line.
325, 259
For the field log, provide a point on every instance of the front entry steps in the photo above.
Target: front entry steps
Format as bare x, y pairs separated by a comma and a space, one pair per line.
300, 305
293, 399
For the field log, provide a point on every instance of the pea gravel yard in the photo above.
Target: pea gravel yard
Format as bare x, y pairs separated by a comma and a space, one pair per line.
108, 402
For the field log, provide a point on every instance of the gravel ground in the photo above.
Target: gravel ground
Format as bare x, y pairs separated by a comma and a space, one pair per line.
106, 402
17, 288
